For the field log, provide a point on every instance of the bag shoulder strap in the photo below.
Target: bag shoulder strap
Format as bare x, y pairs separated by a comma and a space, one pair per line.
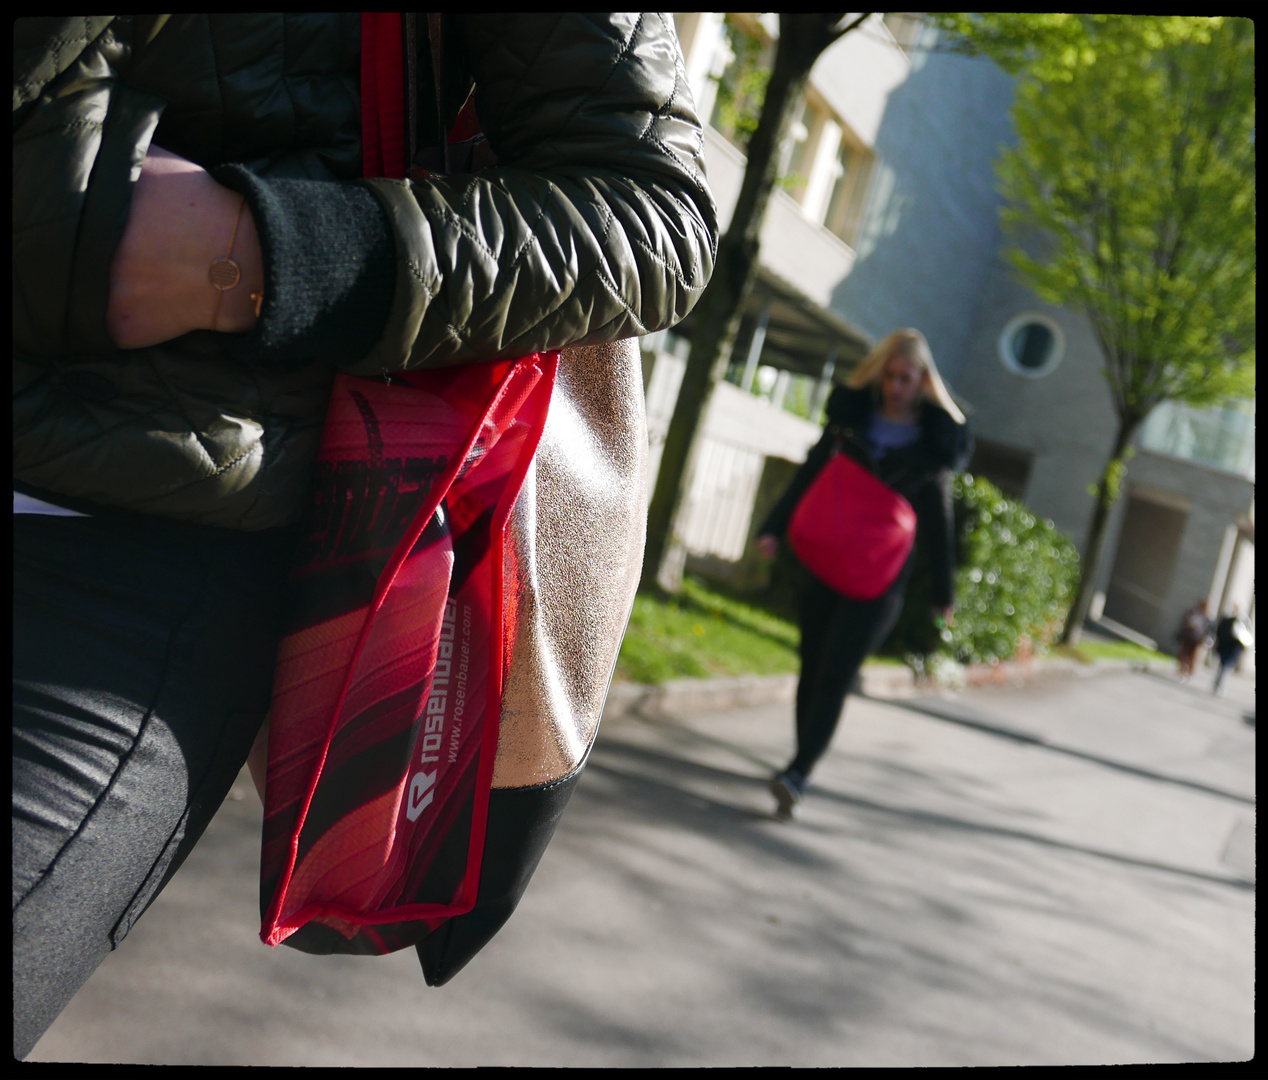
385, 114
435, 38
463, 146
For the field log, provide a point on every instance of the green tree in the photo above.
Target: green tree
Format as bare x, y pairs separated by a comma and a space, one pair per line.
1132, 197
802, 39
742, 86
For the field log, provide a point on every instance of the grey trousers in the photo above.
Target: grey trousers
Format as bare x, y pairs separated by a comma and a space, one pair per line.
142, 669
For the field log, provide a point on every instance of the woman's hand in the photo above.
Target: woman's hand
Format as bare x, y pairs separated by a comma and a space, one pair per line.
180, 222
767, 546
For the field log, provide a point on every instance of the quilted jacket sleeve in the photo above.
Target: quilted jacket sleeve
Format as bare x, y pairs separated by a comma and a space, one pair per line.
596, 224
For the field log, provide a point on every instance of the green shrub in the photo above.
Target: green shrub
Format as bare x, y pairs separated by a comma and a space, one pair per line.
1015, 579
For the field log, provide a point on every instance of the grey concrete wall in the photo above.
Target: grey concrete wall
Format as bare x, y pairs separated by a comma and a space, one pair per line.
1064, 418
1217, 500
931, 226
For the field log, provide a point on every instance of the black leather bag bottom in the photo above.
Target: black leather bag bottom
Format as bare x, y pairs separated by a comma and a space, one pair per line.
520, 824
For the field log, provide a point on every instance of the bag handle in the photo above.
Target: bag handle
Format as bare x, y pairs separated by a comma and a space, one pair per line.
389, 90
383, 105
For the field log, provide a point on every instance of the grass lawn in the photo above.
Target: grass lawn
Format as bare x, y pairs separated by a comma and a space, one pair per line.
705, 633
708, 632
1090, 649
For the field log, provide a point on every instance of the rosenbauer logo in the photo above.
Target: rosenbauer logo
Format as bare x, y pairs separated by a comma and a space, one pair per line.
422, 785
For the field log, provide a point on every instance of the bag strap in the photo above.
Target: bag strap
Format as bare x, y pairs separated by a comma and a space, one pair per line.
383, 105
435, 30
389, 100
411, 86
463, 146
839, 435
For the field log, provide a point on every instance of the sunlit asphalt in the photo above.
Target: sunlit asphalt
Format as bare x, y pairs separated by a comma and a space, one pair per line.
1057, 874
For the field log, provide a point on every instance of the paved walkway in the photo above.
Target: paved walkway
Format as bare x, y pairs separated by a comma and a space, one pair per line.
1058, 874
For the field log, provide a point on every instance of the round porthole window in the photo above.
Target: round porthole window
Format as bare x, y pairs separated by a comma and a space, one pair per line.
1031, 345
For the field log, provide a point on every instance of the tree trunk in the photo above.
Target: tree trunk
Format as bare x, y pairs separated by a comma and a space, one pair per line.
1107, 493
718, 315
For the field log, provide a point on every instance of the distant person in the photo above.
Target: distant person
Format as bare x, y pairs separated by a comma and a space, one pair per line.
1232, 638
895, 418
1194, 632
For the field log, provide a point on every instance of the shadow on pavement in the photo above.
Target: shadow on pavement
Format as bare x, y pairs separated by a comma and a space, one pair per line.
819, 924
671, 785
957, 712
1199, 690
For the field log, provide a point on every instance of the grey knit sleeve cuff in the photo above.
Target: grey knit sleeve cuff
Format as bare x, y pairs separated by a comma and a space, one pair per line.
329, 268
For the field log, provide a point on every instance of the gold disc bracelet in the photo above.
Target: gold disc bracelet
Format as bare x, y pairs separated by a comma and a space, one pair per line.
224, 273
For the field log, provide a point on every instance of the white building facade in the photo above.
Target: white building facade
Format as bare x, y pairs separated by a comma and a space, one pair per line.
889, 217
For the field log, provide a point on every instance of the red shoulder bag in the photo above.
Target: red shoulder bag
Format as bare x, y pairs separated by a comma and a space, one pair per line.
851, 530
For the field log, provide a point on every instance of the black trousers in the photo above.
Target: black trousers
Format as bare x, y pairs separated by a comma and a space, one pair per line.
837, 635
143, 655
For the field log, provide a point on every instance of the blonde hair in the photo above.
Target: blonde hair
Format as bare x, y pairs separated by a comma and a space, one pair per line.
911, 345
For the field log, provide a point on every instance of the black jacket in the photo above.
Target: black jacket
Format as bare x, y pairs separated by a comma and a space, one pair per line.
921, 473
1227, 642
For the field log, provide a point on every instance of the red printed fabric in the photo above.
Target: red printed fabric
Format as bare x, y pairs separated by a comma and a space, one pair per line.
388, 685
851, 530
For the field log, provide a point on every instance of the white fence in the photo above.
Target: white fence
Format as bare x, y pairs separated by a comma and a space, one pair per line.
740, 432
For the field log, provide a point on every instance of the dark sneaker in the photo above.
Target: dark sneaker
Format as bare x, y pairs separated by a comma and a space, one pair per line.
787, 787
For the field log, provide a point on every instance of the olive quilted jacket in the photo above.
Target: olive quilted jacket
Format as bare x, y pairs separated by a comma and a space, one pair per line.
596, 225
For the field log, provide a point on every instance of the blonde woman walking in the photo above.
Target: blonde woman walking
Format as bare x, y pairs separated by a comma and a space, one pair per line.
895, 418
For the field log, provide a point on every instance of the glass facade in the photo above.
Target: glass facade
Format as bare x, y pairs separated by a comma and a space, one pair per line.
1221, 438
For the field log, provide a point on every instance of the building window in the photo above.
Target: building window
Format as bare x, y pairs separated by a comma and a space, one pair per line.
1031, 345
798, 156
822, 165
1220, 437
853, 171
